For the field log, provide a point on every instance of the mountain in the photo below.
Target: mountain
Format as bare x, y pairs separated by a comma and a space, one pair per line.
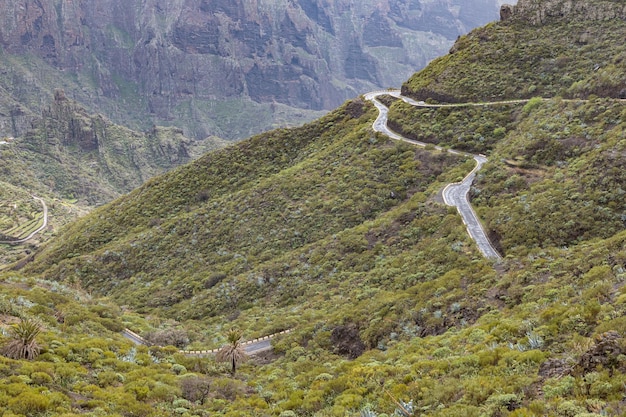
216, 68
340, 234
76, 161
266, 198
90, 156
545, 60
74, 77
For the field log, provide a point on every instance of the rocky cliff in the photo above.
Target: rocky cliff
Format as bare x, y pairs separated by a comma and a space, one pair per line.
178, 62
76, 160
72, 154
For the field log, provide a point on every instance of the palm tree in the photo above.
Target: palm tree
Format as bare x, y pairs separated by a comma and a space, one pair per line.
232, 352
22, 343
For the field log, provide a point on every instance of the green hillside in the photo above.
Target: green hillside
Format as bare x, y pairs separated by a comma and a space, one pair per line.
341, 235
515, 59
556, 175
250, 214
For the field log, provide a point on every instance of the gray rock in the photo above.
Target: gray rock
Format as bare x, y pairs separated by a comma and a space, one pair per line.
162, 62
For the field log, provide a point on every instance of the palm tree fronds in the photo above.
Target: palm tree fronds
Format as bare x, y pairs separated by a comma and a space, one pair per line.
22, 343
233, 352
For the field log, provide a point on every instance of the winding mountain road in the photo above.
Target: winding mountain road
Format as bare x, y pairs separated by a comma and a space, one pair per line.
455, 194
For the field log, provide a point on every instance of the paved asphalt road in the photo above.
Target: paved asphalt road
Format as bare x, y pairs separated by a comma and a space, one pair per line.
133, 337
251, 348
454, 194
258, 347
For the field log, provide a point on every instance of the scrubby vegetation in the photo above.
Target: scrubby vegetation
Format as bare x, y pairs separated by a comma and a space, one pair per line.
561, 168
469, 129
513, 59
296, 192
555, 176
85, 366
340, 234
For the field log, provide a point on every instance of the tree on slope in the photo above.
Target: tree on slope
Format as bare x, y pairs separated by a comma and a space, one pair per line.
233, 352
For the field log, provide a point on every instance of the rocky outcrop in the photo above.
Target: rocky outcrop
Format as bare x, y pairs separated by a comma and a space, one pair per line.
506, 12
74, 128
167, 62
606, 353
94, 160
538, 12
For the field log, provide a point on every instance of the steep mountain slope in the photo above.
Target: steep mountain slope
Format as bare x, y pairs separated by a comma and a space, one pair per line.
532, 54
268, 198
200, 64
561, 162
555, 179
340, 234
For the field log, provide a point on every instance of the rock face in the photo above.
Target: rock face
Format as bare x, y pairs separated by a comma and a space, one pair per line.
86, 156
165, 62
538, 12
506, 11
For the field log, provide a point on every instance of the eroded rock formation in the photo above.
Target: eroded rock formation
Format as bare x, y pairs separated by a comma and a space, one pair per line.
165, 61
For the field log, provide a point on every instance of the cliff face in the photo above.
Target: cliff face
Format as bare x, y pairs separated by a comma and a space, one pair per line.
70, 153
169, 62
